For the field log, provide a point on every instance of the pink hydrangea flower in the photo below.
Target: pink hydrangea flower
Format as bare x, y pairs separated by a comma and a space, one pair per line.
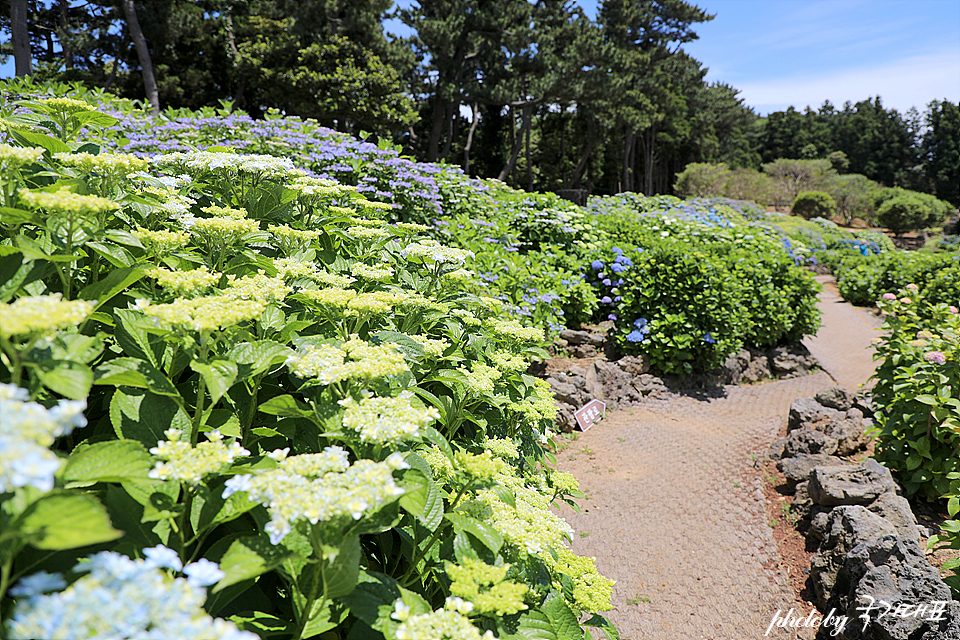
913, 287
953, 309
937, 357
889, 296
906, 300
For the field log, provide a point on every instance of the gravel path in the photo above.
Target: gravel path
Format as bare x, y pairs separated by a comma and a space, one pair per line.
675, 512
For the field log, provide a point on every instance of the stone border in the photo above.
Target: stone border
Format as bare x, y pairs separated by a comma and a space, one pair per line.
622, 382
867, 535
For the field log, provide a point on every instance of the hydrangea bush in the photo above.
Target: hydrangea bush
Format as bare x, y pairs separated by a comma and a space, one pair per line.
250, 392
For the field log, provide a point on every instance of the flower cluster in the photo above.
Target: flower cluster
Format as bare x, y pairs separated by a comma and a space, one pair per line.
514, 331
112, 165
185, 283
15, 157
353, 359
199, 162
442, 624
486, 587
161, 241
431, 347
260, 288
428, 251
387, 420
207, 313
227, 231
27, 429
640, 330
591, 590
319, 487
41, 314
121, 598
67, 201
181, 461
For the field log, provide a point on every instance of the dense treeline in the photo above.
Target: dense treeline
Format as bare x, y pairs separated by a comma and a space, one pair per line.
534, 93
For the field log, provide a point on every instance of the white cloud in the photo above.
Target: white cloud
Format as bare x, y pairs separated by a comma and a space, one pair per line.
911, 82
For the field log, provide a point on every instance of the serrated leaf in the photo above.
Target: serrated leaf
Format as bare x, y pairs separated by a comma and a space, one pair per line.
116, 281
66, 377
219, 375
113, 461
422, 498
254, 358
563, 619
285, 406
133, 372
483, 532
599, 622
144, 416
66, 520
535, 625
250, 557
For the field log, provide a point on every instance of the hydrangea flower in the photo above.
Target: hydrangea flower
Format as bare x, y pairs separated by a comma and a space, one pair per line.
442, 624
67, 201
319, 487
27, 430
207, 313
935, 357
387, 420
185, 283
353, 359
181, 461
486, 588
120, 598
41, 314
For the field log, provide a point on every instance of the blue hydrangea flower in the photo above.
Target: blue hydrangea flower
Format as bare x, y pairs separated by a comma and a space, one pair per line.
616, 267
605, 300
709, 338
636, 336
597, 265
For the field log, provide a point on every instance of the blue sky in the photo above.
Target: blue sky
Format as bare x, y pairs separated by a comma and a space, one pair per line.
802, 52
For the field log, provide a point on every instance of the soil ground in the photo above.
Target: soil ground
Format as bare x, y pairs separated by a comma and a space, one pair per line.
682, 509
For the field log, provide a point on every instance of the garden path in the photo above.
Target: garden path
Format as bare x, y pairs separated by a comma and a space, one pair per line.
675, 509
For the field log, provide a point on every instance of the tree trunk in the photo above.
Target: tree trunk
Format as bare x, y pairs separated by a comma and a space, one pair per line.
574, 182
473, 128
238, 96
453, 111
20, 34
67, 51
529, 164
648, 140
518, 143
143, 55
436, 128
629, 144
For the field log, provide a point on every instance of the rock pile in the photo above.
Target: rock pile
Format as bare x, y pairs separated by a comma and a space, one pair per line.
594, 368
869, 542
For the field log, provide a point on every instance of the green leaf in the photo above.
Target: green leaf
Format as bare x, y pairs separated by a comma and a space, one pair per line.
10, 215
483, 532
144, 416
535, 625
285, 406
113, 461
249, 557
341, 571
599, 622
127, 515
216, 509
94, 118
115, 282
66, 377
563, 619
133, 336
115, 254
32, 139
66, 520
372, 601
262, 624
133, 372
255, 358
422, 498
927, 399
219, 375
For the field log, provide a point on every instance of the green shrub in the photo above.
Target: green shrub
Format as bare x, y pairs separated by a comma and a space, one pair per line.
901, 210
814, 204
863, 279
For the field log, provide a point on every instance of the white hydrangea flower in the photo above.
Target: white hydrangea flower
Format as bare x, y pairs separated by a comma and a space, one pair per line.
181, 461
430, 251
42, 314
387, 420
27, 429
119, 598
440, 624
317, 488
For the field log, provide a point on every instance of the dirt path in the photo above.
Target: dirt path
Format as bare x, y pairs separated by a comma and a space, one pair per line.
675, 511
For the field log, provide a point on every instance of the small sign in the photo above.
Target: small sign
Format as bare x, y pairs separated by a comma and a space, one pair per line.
589, 414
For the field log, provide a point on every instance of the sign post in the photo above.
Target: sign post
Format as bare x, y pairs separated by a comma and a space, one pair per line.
589, 414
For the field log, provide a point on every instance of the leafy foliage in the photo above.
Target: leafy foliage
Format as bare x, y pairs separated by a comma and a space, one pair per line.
814, 204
